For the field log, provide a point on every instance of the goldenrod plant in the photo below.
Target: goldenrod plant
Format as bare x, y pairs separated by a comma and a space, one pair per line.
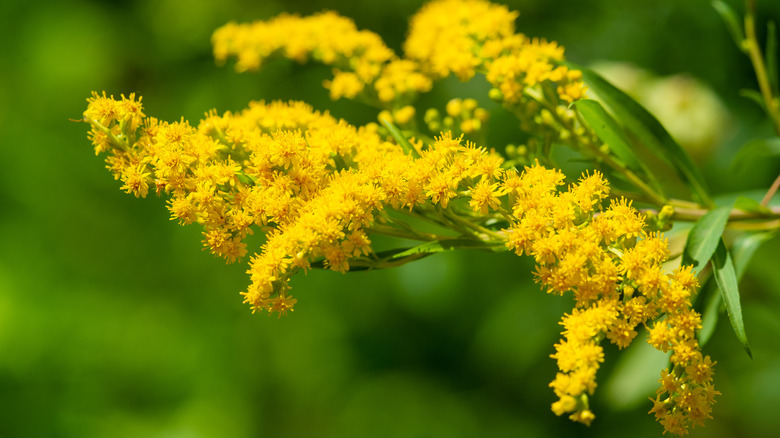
321, 189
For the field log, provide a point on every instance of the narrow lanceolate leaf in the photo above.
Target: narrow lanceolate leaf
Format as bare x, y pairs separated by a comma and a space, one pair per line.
611, 133
750, 205
704, 237
755, 150
732, 22
742, 250
380, 260
726, 278
745, 247
400, 256
399, 137
648, 130
753, 95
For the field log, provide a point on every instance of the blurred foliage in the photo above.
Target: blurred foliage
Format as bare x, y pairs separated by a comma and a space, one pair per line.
113, 323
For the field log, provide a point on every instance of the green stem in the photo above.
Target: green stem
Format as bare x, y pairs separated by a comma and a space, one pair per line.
683, 204
757, 226
449, 223
693, 214
468, 224
395, 232
114, 140
421, 213
397, 222
652, 195
754, 52
383, 263
771, 192
634, 196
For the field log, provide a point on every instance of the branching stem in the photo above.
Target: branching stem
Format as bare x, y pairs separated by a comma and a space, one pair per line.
771, 192
753, 50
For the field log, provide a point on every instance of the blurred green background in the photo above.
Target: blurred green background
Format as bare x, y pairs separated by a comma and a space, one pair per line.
114, 323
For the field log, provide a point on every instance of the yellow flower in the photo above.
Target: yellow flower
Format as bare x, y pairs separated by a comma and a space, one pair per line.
136, 180
359, 56
344, 84
404, 115
484, 197
318, 188
445, 35
282, 304
401, 79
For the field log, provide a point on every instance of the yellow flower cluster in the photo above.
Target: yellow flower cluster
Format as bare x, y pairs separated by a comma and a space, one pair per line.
315, 185
460, 37
327, 37
312, 182
523, 64
333, 224
360, 58
230, 172
448, 36
320, 188
613, 267
686, 394
463, 37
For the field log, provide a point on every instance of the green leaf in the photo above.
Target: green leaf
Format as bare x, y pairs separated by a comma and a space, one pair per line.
770, 57
611, 133
750, 205
381, 260
400, 256
745, 246
755, 150
399, 138
743, 249
753, 95
731, 197
726, 278
704, 237
647, 129
732, 22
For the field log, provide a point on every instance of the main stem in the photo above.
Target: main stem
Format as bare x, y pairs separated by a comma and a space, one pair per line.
754, 52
